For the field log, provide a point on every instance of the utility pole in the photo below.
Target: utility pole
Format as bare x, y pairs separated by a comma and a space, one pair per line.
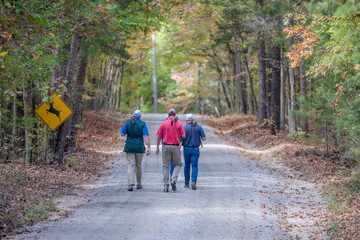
154, 76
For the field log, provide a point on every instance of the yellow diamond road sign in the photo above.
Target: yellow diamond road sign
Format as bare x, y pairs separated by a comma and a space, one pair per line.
54, 113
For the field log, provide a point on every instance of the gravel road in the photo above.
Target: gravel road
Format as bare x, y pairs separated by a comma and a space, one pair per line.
229, 204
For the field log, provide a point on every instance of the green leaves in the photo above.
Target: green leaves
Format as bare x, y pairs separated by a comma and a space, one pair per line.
40, 20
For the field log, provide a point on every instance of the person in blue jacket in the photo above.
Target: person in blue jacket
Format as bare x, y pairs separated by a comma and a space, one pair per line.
194, 135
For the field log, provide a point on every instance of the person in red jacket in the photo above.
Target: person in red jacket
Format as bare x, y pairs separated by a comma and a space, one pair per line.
169, 131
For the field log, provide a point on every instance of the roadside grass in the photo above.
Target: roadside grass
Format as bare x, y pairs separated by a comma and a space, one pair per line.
36, 213
334, 226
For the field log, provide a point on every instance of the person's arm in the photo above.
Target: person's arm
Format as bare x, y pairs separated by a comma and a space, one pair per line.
182, 132
123, 130
158, 145
202, 134
147, 141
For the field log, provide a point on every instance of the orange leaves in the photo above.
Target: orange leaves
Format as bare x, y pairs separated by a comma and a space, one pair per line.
305, 48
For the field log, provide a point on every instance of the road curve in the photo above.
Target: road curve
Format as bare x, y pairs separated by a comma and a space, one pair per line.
227, 205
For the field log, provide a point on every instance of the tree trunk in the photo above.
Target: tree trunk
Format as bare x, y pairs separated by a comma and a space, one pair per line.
223, 88
14, 125
282, 89
118, 101
28, 110
59, 71
218, 96
262, 78
199, 100
254, 101
268, 91
303, 90
275, 90
64, 129
78, 92
114, 88
228, 88
292, 120
239, 82
110, 77
249, 84
288, 100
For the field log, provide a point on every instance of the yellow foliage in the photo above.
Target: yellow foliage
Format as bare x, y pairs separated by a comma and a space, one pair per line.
3, 54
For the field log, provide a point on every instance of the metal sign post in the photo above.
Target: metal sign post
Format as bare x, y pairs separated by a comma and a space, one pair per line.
154, 76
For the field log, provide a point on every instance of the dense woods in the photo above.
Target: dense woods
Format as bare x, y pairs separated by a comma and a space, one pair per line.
74, 48
293, 64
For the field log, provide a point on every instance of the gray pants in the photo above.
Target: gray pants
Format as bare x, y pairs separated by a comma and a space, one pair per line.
134, 166
169, 151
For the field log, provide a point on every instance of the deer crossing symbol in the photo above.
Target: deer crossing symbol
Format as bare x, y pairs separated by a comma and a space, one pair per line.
53, 110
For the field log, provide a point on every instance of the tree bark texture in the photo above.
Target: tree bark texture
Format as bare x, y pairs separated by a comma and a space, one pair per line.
64, 129
292, 120
275, 88
268, 91
223, 88
262, 78
77, 96
282, 89
219, 97
239, 77
118, 97
14, 125
28, 110
249, 84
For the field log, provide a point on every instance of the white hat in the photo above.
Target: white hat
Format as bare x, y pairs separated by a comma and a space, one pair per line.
189, 117
137, 113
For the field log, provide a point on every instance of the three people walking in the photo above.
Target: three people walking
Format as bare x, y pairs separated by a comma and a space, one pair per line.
172, 134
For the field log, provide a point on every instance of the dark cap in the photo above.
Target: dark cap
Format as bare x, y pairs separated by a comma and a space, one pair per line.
172, 111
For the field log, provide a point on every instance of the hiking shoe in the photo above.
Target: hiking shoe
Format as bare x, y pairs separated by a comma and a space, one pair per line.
138, 187
193, 186
130, 188
186, 186
173, 186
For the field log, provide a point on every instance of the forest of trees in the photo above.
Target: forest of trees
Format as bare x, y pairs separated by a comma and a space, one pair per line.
294, 64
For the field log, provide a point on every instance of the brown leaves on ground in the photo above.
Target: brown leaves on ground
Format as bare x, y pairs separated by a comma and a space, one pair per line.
27, 192
344, 209
244, 130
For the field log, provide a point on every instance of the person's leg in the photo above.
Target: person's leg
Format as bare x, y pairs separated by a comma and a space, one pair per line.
130, 157
176, 153
166, 156
138, 161
171, 167
194, 164
187, 161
